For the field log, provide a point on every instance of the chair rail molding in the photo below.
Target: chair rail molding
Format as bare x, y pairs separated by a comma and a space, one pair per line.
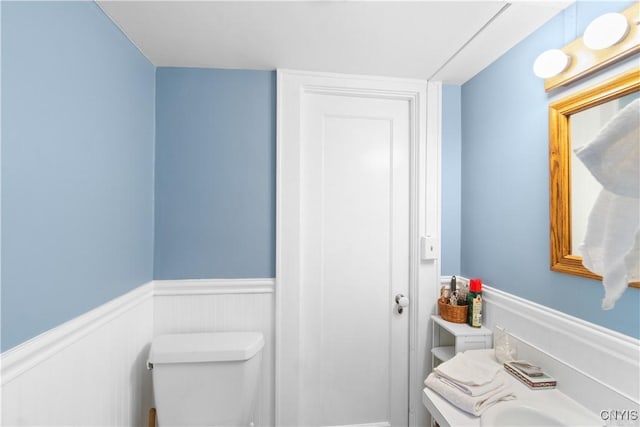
25, 356
213, 286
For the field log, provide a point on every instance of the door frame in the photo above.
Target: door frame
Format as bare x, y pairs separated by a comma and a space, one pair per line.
424, 101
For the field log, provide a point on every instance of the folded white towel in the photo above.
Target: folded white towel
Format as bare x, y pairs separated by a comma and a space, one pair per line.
474, 405
612, 241
468, 369
474, 390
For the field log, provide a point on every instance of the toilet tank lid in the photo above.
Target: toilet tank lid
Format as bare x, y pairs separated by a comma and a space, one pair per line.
205, 347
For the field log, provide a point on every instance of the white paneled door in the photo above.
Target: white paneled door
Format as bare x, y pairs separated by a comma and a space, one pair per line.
345, 236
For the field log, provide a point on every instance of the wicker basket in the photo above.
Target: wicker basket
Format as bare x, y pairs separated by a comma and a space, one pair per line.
452, 313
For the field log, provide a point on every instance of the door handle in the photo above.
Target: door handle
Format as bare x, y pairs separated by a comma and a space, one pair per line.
401, 303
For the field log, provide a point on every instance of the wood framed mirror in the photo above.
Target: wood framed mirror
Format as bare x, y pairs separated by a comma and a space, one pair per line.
599, 102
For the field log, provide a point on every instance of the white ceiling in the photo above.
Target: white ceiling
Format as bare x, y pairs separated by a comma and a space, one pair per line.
447, 41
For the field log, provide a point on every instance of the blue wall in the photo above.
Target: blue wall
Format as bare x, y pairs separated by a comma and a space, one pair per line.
80, 105
505, 181
77, 164
215, 173
451, 180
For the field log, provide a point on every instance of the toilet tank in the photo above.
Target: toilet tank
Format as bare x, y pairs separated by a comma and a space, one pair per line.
206, 379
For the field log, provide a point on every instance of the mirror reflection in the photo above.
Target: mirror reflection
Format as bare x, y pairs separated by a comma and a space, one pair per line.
584, 126
578, 121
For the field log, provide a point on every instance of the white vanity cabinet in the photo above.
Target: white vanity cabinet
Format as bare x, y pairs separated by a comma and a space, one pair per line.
451, 338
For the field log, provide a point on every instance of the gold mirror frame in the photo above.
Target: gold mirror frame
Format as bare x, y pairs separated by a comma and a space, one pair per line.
562, 260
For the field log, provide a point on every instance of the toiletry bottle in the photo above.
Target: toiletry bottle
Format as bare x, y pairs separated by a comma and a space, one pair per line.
475, 303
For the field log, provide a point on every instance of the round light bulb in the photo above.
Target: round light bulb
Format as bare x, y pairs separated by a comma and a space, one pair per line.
550, 63
605, 31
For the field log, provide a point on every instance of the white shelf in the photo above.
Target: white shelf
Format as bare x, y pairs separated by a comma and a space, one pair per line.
457, 329
450, 338
443, 353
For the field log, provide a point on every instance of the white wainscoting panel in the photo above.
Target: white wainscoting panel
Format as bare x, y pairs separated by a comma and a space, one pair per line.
605, 365
183, 306
597, 367
89, 371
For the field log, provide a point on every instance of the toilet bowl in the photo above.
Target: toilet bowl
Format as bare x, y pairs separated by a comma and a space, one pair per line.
205, 379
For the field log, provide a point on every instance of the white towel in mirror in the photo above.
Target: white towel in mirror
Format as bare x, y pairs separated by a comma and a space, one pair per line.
611, 246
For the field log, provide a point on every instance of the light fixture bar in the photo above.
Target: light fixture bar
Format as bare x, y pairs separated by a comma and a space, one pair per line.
585, 61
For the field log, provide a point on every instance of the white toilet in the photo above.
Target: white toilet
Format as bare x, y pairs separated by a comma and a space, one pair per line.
206, 379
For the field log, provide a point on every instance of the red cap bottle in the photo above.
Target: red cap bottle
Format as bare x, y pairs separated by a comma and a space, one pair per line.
475, 303
475, 285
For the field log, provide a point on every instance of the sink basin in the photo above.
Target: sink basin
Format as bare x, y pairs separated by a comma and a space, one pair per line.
531, 413
518, 414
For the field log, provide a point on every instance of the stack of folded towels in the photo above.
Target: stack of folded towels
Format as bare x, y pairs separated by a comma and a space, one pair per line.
470, 382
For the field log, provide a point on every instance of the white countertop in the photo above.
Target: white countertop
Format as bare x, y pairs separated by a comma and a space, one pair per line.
448, 415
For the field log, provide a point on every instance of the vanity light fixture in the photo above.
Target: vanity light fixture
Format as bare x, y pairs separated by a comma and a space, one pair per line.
609, 38
605, 31
550, 63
